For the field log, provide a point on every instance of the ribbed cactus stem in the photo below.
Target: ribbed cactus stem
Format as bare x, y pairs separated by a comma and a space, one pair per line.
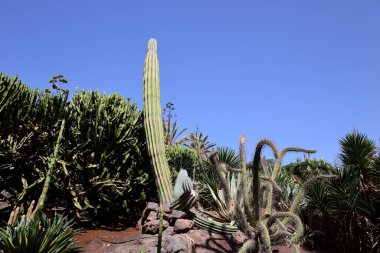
153, 123
264, 238
248, 246
290, 216
277, 165
276, 171
160, 229
221, 171
244, 181
53, 160
256, 166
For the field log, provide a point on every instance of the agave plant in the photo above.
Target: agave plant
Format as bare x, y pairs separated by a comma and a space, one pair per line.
219, 204
209, 178
41, 234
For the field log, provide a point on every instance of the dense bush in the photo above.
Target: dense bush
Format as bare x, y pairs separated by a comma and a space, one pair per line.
101, 170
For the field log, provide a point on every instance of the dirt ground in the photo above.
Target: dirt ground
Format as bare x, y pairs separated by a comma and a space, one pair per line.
201, 242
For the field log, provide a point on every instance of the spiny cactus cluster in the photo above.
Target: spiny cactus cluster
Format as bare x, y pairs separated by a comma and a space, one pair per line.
260, 229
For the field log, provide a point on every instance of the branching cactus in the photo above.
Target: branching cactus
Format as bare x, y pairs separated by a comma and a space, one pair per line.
153, 124
261, 229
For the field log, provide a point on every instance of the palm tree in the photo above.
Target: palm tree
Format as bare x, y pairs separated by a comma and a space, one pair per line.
199, 143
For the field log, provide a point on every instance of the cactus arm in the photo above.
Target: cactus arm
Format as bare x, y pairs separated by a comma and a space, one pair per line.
241, 222
264, 238
53, 159
277, 165
248, 246
276, 170
214, 226
153, 124
295, 247
220, 171
247, 206
273, 183
160, 229
297, 221
255, 186
268, 209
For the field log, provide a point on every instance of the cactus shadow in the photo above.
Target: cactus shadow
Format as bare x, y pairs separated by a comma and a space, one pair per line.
219, 244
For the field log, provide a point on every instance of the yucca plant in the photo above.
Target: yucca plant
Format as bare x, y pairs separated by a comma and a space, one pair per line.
345, 208
39, 235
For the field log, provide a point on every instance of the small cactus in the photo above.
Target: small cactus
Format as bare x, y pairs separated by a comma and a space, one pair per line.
184, 195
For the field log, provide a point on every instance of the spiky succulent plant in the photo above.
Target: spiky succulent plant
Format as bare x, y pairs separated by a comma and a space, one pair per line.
261, 229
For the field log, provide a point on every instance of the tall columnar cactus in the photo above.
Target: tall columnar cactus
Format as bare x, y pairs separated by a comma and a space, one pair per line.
153, 123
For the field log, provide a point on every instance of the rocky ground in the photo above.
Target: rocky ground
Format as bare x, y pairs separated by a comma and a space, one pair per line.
179, 236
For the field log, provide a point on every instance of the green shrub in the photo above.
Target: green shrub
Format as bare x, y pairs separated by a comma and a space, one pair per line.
101, 171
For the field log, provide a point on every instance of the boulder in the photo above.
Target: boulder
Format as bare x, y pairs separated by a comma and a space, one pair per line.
152, 216
151, 206
175, 215
151, 227
173, 244
183, 225
4, 205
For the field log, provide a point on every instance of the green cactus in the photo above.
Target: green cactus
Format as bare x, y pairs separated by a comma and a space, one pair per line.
213, 226
153, 123
260, 230
247, 206
248, 246
183, 183
53, 160
184, 195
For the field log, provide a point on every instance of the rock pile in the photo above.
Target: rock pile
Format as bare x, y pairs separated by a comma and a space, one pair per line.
150, 220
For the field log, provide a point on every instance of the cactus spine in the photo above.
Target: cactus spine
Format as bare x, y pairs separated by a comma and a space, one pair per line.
153, 123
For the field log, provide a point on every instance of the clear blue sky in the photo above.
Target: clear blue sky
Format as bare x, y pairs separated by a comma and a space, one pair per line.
300, 72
